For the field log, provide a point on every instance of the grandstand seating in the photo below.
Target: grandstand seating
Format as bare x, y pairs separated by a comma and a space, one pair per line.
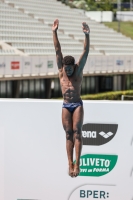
7, 52
26, 25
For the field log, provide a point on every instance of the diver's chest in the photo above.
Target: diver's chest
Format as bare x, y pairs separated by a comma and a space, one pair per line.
71, 81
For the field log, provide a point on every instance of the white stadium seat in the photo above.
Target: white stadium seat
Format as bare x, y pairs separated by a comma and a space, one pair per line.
8, 52
26, 25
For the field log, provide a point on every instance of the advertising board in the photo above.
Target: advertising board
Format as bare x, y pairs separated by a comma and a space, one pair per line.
33, 153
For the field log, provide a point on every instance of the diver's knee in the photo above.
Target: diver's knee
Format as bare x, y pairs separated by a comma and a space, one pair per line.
77, 134
69, 134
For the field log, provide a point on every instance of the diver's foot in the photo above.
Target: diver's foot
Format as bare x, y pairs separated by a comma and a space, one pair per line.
71, 170
76, 170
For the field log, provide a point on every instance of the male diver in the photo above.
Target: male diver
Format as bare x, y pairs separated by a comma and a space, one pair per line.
70, 75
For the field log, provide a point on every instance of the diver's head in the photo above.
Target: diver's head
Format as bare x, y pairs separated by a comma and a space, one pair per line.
69, 65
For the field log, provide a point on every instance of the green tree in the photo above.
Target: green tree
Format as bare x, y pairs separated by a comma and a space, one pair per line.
105, 5
92, 5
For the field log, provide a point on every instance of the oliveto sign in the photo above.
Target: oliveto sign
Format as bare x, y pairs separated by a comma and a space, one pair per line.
97, 164
98, 134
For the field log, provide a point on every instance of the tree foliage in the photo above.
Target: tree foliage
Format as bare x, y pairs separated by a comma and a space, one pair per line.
106, 5
92, 5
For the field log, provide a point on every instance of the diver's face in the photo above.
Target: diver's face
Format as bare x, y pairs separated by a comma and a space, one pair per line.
69, 69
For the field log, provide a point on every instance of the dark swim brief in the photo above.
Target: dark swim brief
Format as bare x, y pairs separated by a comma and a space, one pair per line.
72, 106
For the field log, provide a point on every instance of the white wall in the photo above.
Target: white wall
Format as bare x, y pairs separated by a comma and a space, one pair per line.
100, 16
32, 142
16, 66
125, 15
107, 16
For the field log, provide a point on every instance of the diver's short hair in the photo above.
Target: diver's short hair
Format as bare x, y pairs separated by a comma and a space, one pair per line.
68, 60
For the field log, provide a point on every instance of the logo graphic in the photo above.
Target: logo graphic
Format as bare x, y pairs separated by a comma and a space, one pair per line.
15, 65
106, 135
2, 64
39, 65
94, 191
27, 63
98, 134
50, 64
97, 164
94, 194
119, 62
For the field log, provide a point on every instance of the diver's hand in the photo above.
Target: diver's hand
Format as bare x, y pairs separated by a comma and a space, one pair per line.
55, 25
86, 28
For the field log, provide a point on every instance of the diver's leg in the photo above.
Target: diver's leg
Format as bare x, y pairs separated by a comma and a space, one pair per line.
77, 134
67, 125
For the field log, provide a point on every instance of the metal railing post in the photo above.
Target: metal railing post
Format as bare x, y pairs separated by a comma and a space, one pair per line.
122, 97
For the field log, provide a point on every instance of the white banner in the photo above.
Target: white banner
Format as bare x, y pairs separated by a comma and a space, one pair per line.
36, 65
131, 65
110, 64
27, 66
98, 64
51, 65
43, 66
91, 64
86, 67
35, 157
14, 66
2, 66
119, 64
10, 65
104, 64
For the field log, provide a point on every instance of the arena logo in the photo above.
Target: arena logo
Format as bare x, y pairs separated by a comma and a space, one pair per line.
97, 164
2, 64
15, 65
98, 134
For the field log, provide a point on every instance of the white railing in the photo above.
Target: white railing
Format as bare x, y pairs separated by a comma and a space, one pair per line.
127, 96
16, 66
